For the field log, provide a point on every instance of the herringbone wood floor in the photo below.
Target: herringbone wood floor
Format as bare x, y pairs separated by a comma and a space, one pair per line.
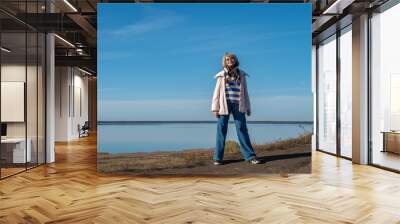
70, 191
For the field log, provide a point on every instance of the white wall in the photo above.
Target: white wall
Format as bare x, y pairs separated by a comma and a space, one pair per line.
80, 89
14, 72
62, 81
70, 84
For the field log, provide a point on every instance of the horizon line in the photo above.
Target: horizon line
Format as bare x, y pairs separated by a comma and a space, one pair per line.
196, 121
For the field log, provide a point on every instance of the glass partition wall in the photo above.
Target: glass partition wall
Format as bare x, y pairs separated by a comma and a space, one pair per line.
22, 98
327, 95
385, 89
334, 91
345, 108
334, 85
13, 90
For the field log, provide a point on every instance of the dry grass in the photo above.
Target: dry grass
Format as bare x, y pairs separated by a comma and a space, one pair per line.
303, 139
141, 162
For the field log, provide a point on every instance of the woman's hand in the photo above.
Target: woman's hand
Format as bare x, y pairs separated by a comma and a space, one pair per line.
216, 114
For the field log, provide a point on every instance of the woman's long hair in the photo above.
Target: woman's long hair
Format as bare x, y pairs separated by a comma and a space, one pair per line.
234, 73
231, 55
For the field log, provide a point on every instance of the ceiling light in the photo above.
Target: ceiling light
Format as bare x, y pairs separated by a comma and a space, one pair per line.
79, 51
84, 71
338, 6
5, 50
70, 5
64, 40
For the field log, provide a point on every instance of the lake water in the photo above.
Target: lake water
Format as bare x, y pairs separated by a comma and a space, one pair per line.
123, 138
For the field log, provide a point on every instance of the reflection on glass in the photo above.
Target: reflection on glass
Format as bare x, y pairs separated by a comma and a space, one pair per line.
385, 93
395, 102
346, 92
22, 91
14, 150
327, 95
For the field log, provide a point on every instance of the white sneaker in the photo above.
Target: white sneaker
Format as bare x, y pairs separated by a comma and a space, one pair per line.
254, 161
217, 162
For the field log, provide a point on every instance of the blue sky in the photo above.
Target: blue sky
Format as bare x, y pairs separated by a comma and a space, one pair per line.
158, 61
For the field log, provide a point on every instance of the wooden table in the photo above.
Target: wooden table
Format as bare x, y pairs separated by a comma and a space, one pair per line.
391, 141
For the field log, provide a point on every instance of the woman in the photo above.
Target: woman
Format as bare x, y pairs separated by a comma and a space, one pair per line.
231, 96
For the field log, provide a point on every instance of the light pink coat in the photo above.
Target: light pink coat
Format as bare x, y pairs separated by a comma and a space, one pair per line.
219, 102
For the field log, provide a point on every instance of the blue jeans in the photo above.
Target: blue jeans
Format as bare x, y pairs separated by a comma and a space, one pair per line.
241, 131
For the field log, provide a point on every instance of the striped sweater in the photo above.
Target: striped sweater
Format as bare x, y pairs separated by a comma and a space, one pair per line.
232, 91
219, 102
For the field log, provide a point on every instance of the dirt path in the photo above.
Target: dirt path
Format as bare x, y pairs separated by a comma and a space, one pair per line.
293, 160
